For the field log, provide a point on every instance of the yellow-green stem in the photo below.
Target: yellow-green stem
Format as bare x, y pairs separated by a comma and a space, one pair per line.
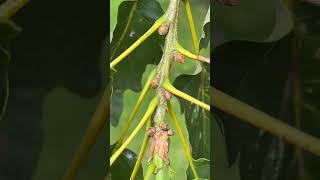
190, 55
97, 123
141, 153
191, 25
125, 29
152, 106
136, 108
153, 28
264, 121
149, 171
183, 140
168, 86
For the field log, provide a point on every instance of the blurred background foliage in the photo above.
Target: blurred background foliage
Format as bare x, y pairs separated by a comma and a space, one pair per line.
56, 72
133, 71
270, 60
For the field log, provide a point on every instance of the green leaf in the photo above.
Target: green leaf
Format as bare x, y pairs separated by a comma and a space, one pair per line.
205, 37
197, 119
221, 169
257, 21
114, 5
123, 166
129, 71
202, 166
63, 127
177, 156
283, 24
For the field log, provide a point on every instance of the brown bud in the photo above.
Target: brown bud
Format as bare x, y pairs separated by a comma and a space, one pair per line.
179, 57
151, 131
164, 126
154, 83
167, 95
170, 132
163, 29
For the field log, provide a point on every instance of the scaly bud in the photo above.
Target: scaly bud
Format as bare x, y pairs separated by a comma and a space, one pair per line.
163, 29
154, 83
167, 95
178, 57
151, 131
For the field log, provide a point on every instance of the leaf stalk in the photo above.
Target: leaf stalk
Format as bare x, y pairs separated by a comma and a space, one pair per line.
168, 86
153, 104
141, 153
147, 34
143, 93
264, 121
183, 140
190, 55
98, 121
191, 25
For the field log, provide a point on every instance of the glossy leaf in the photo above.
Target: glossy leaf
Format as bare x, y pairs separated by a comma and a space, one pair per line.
205, 37
202, 166
123, 166
114, 6
221, 168
126, 33
197, 119
178, 161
